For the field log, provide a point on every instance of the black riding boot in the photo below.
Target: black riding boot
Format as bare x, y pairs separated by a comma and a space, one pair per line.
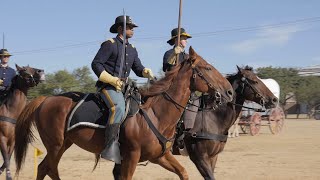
112, 150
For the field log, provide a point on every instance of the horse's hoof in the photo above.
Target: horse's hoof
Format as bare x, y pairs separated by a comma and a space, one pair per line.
9, 177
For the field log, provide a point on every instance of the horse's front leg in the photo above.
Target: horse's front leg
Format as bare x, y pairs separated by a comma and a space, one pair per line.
2, 168
116, 171
170, 163
129, 164
6, 157
213, 162
10, 151
202, 161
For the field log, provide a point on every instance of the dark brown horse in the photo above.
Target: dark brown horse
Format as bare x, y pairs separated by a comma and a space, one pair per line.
12, 105
165, 103
208, 136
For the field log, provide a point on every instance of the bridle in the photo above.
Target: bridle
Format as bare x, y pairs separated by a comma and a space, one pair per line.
245, 83
30, 80
196, 71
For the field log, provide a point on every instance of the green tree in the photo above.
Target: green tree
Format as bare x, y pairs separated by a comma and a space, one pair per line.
86, 81
62, 81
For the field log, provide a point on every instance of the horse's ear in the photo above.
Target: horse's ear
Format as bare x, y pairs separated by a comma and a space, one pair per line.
239, 69
18, 67
192, 53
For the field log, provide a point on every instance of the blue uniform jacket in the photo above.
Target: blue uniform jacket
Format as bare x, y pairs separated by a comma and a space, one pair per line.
165, 65
109, 57
7, 74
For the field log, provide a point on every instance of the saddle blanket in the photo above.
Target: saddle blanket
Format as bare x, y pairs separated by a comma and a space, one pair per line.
89, 112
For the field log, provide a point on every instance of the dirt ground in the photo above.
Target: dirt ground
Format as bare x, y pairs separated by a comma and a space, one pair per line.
293, 154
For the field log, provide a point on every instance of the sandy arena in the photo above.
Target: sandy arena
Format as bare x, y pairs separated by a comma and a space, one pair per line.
293, 154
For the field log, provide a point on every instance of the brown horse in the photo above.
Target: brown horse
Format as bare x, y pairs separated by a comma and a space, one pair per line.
13, 103
209, 135
165, 103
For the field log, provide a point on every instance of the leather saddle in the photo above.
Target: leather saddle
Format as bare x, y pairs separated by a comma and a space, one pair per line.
91, 110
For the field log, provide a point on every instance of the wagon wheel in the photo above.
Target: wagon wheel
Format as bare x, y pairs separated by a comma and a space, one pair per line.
255, 123
276, 120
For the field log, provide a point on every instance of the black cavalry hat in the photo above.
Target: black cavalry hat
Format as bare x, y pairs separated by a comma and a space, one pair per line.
119, 21
174, 35
4, 52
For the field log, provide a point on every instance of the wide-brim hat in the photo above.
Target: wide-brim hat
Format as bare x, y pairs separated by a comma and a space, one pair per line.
174, 35
119, 21
4, 52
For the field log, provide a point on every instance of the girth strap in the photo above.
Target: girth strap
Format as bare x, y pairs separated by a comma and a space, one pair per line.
165, 143
209, 136
7, 119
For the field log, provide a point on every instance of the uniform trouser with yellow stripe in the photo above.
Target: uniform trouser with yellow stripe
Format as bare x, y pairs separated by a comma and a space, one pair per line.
115, 102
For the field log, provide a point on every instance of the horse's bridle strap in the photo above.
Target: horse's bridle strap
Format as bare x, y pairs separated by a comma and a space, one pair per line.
7, 119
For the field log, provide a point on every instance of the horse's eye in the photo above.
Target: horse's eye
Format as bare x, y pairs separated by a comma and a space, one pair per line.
39, 71
208, 68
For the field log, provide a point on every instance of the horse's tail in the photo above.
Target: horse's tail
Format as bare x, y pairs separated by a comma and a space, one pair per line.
23, 132
96, 161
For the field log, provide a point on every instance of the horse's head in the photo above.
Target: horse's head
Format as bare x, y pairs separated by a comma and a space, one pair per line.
207, 79
31, 76
254, 89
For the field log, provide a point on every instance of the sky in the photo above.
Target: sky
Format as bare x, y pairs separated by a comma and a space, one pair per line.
56, 35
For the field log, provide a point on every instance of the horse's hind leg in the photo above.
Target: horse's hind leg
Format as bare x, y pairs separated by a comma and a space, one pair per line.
170, 163
43, 168
50, 163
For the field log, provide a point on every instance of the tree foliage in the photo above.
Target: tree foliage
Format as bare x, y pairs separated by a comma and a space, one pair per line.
62, 81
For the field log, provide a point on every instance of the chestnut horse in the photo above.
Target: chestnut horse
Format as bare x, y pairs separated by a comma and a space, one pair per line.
165, 103
209, 135
12, 105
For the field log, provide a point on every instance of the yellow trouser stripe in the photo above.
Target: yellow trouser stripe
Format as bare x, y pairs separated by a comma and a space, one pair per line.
113, 107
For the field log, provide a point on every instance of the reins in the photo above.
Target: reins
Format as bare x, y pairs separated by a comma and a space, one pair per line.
255, 109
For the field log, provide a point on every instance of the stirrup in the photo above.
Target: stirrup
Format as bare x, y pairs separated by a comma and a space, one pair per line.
112, 152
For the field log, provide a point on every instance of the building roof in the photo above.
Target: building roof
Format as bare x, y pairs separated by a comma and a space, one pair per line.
310, 71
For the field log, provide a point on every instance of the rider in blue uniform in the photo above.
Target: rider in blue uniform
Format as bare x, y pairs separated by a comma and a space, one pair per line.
106, 65
170, 60
6, 72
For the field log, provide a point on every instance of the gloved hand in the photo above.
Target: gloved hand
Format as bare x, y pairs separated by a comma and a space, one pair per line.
147, 73
1, 82
198, 93
178, 49
114, 81
172, 59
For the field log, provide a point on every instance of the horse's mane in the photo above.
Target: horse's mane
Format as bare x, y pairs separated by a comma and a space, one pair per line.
249, 68
159, 86
234, 75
